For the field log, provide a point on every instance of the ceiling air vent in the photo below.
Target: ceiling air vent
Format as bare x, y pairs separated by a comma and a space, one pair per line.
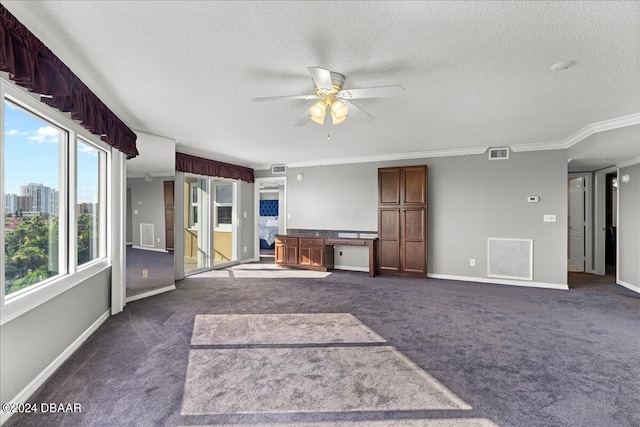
279, 169
501, 153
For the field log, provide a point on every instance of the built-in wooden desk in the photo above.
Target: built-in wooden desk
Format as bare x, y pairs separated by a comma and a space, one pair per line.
373, 250
315, 253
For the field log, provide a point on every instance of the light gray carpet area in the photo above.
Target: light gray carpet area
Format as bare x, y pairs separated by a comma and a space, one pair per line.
517, 356
268, 380
460, 422
295, 328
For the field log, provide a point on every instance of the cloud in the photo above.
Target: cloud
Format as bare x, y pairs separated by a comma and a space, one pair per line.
13, 132
45, 135
85, 149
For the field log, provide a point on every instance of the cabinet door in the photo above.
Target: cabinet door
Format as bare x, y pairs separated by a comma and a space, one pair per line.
414, 185
168, 215
290, 254
316, 255
312, 255
279, 253
414, 241
389, 186
305, 255
389, 239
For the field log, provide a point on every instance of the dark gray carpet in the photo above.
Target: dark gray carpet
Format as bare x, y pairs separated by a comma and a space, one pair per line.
518, 356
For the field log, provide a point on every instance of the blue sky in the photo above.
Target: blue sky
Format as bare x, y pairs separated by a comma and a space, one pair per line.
31, 149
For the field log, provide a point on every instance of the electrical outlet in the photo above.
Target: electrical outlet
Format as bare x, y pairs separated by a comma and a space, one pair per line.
472, 262
340, 253
145, 274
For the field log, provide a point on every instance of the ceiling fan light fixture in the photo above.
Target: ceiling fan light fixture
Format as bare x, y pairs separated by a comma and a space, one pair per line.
318, 110
339, 110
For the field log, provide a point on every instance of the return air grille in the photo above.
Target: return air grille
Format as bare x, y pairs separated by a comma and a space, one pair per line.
510, 258
501, 153
146, 235
279, 169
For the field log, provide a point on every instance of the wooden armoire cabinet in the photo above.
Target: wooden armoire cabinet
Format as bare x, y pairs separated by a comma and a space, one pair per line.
402, 221
168, 215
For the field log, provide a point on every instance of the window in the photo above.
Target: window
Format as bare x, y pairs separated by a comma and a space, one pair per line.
223, 205
53, 175
192, 195
89, 216
32, 152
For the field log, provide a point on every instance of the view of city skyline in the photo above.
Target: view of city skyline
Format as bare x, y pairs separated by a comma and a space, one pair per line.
31, 157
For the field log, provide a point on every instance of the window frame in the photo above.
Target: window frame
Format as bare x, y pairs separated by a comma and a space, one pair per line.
102, 195
70, 274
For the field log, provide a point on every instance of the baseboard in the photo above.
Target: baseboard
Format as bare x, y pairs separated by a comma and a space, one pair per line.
151, 293
351, 268
31, 388
248, 260
629, 286
144, 248
500, 281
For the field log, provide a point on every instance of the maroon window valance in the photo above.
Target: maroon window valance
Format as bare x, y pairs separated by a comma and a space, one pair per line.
200, 166
32, 65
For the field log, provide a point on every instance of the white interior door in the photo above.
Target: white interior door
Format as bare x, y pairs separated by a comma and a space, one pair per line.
576, 224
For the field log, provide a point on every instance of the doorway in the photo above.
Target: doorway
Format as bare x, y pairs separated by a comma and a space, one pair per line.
577, 222
270, 214
210, 225
611, 223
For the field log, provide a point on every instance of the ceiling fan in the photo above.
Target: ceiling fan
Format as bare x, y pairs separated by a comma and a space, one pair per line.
334, 99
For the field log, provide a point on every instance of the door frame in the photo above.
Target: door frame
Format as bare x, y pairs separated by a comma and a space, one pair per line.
600, 213
587, 179
256, 203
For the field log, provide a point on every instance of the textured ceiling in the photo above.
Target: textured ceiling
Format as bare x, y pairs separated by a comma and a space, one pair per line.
476, 73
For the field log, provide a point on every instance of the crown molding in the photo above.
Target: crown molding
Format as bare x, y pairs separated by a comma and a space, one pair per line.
620, 122
391, 157
537, 146
585, 132
629, 162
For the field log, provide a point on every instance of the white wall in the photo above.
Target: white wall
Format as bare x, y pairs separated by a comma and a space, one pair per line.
32, 341
469, 200
629, 228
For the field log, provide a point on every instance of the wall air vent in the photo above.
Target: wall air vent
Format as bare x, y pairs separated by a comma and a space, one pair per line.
500, 153
146, 235
279, 169
510, 258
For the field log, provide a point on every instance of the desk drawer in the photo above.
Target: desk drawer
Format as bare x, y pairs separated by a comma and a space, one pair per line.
346, 242
311, 242
287, 240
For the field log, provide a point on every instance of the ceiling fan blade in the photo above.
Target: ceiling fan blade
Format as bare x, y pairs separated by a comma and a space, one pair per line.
357, 113
284, 98
371, 92
304, 119
322, 78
